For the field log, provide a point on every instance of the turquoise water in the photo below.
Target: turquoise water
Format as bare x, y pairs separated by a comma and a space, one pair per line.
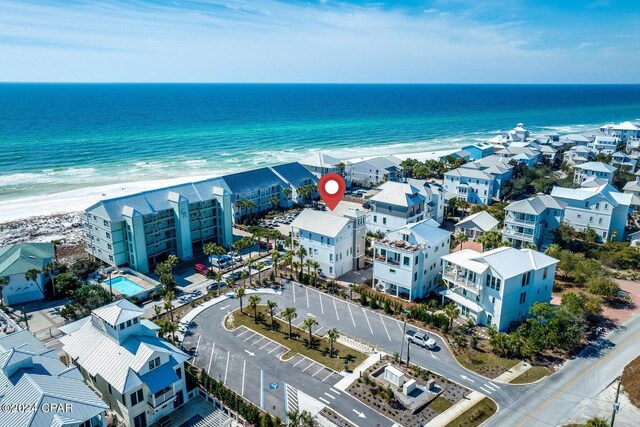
56, 137
125, 286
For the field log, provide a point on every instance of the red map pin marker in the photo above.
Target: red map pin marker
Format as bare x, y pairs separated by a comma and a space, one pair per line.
331, 188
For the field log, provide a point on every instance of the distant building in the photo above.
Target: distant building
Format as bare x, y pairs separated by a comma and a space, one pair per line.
577, 155
625, 131
139, 375
527, 155
624, 161
549, 152
601, 208
406, 262
321, 164
376, 170
476, 225
396, 205
633, 188
478, 150
593, 169
532, 221
15, 261
497, 287
335, 242
499, 168
604, 144
472, 185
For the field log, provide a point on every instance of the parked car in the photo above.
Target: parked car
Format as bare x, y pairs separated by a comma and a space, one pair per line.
420, 338
235, 256
366, 205
265, 245
215, 286
201, 268
227, 259
235, 275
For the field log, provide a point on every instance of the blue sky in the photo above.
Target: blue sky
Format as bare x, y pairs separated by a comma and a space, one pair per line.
439, 41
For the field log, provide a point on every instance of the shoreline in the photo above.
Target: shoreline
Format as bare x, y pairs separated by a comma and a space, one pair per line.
74, 201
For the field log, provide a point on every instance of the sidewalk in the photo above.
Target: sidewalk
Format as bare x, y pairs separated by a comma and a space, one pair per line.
456, 410
512, 373
345, 382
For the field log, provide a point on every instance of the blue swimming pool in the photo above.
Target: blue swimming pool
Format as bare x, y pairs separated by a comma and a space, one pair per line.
125, 286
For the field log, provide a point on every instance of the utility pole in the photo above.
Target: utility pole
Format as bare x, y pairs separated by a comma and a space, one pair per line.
616, 405
404, 327
408, 344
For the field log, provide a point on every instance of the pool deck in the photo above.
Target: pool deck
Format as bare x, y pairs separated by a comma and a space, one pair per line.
144, 284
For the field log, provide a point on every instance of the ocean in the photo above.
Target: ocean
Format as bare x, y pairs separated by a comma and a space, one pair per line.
58, 137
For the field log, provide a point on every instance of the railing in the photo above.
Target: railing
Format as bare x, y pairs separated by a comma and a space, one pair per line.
522, 236
450, 274
387, 260
512, 219
154, 402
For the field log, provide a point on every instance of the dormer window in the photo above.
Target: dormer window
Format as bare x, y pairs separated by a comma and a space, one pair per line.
154, 363
121, 326
135, 320
128, 323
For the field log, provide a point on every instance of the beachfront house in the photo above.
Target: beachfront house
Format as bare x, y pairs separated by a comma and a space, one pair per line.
477, 224
376, 170
478, 150
15, 261
527, 155
625, 131
499, 168
139, 229
472, 185
497, 287
604, 144
601, 208
321, 164
396, 205
139, 375
577, 139
434, 198
633, 188
624, 161
335, 242
406, 262
549, 153
586, 171
33, 376
532, 221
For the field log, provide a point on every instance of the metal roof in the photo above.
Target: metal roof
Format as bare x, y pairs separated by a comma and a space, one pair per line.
118, 312
535, 205
21, 257
398, 194
320, 222
505, 261
606, 191
481, 220
426, 232
596, 167
321, 160
295, 174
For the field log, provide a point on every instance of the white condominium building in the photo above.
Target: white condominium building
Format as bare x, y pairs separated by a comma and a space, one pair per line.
335, 242
406, 262
601, 208
497, 287
139, 375
396, 205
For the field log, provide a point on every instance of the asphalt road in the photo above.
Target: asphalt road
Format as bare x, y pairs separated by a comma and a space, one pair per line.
250, 363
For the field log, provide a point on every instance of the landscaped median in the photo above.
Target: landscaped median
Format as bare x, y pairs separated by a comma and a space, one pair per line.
476, 415
319, 351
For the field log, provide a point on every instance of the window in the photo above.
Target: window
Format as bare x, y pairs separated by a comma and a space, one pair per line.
597, 205
375, 218
154, 363
128, 323
330, 270
545, 272
136, 397
108, 235
415, 276
121, 326
384, 220
391, 270
106, 224
405, 260
109, 386
523, 297
179, 372
330, 257
586, 204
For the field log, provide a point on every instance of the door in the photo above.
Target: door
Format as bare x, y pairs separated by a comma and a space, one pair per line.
140, 420
179, 400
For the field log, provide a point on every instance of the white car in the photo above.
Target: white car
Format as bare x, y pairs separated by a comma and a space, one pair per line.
420, 338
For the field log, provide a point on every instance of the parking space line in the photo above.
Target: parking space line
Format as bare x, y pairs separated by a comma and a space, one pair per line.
399, 325
244, 367
226, 369
307, 290
197, 346
270, 342
318, 331
293, 286
256, 342
349, 307
274, 348
325, 401
308, 366
336, 307
249, 337
327, 394
321, 307
365, 316
301, 359
245, 330
385, 327
318, 371
211, 357
330, 373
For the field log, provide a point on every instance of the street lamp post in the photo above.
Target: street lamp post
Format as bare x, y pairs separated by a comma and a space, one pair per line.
404, 327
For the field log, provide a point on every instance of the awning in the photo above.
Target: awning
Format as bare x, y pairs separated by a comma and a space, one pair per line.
461, 300
161, 377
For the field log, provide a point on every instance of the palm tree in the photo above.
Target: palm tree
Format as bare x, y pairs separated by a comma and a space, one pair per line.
32, 274
172, 262
461, 238
451, 311
259, 267
274, 201
213, 249
289, 314
272, 305
308, 325
249, 205
333, 335
287, 192
352, 287
315, 266
295, 265
453, 204
308, 263
3, 282
243, 276
490, 240
168, 302
172, 328
275, 257
240, 294
50, 270
597, 422
250, 265
302, 252
254, 300
287, 258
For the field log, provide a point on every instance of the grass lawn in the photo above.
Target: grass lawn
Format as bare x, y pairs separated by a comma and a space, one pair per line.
484, 363
299, 341
440, 404
631, 381
532, 374
475, 416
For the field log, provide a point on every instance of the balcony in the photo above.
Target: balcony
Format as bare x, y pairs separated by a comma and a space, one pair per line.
517, 235
155, 402
389, 261
511, 219
455, 277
